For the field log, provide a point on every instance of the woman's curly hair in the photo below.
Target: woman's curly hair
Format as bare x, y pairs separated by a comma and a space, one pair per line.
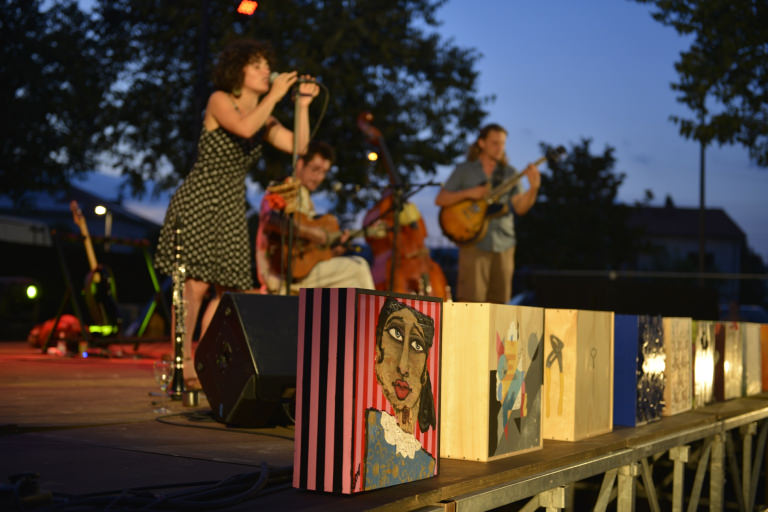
228, 73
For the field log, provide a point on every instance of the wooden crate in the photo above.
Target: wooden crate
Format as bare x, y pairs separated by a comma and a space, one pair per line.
492, 380
750, 339
729, 361
367, 389
703, 332
638, 369
678, 368
764, 355
578, 374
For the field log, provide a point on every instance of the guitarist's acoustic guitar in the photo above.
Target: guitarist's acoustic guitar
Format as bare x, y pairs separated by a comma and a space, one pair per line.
307, 254
466, 222
99, 288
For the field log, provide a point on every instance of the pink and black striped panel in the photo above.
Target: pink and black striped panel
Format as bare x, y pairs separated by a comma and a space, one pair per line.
336, 384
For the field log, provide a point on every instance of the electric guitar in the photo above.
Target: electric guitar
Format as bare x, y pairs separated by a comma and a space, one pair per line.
99, 289
466, 222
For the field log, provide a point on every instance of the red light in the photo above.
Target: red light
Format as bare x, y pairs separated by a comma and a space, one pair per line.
247, 7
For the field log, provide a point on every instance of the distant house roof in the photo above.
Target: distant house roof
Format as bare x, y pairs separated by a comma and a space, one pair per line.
673, 222
52, 209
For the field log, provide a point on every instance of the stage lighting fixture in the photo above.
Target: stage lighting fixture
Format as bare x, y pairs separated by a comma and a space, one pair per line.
247, 7
32, 292
373, 156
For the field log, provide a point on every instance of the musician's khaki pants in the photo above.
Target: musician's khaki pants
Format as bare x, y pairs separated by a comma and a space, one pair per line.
338, 272
485, 276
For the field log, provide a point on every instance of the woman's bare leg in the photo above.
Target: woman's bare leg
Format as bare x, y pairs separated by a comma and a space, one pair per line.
194, 291
211, 309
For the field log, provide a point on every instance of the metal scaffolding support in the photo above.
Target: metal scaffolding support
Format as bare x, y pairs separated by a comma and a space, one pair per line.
709, 447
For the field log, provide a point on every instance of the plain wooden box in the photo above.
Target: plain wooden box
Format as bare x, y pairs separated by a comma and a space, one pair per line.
578, 374
750, 336
347, 435
475, 337
678, 366
703, 332
764, 355
729, 361
638, 369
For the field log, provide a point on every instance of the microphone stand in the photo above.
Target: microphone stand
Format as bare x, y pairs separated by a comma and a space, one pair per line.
288, 277
397, 208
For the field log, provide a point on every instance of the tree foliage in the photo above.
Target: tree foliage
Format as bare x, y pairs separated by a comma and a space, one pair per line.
577, 222
723, 75
54, 75
371, 55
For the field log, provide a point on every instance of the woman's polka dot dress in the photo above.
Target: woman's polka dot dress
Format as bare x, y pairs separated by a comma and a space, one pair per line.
210, 205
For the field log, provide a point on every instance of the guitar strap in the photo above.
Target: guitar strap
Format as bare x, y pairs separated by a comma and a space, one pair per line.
497, 176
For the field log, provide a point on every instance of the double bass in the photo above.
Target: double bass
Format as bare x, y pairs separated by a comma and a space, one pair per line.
401, 260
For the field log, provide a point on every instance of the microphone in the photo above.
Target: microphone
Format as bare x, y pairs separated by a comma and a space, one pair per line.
273, 76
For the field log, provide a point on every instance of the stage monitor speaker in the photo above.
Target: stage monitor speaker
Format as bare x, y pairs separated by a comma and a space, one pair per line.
246, 362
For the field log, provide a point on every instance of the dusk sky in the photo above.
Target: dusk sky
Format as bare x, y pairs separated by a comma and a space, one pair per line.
564, 70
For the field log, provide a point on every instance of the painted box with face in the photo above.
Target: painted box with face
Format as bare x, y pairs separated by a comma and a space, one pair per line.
729, 361
678, 366
703, 332
492, 380
367, 389
764, 355
578, 374
639, 366
750, 339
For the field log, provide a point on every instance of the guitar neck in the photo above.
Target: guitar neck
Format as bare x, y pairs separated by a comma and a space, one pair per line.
81, 223
92, 262
507, 184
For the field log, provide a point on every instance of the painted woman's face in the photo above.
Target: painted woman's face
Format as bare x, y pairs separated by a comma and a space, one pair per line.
403, 359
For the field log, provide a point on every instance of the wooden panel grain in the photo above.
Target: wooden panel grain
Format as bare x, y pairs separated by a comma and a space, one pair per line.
678, 365
560, 341
752, 381
492, 373
578, 374
466, 364
734, 358
764, 354
594, 385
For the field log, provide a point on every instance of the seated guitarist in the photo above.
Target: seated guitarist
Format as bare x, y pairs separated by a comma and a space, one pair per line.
316, 237
486, 268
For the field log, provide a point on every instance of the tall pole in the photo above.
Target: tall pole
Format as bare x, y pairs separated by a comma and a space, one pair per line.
202, 58
702, 209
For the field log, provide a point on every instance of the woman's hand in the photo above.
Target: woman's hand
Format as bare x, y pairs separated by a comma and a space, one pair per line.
282, 84
308, 90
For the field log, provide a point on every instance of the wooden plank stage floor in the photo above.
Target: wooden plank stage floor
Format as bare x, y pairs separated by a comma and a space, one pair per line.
87, 428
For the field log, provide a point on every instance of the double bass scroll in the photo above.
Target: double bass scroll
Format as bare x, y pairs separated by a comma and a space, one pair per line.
402, 263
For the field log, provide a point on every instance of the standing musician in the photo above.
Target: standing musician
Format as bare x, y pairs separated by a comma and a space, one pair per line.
486, 268
331, 270
210, 205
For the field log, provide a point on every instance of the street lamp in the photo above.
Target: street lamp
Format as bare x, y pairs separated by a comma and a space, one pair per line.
100, 209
